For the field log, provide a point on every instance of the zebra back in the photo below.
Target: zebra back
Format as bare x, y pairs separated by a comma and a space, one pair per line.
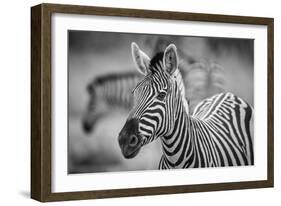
229, 117
114, 89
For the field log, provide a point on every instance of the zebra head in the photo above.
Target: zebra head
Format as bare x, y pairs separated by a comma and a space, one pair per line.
157, 98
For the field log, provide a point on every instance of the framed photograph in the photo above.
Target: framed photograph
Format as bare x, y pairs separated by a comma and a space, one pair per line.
128, 102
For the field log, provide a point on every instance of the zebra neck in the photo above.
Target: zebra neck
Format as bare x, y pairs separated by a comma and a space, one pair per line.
178, 142
177, 147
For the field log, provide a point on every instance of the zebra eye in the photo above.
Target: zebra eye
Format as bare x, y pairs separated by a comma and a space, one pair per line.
161, 96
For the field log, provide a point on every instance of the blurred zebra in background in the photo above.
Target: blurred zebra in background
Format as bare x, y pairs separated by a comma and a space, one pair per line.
114, 91
106, 93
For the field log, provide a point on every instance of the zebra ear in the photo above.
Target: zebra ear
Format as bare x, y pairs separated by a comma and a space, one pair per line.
141, 60
171, 59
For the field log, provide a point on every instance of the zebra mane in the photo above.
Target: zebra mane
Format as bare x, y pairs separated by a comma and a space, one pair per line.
179, 81
103, 79
155, 65
141, 83
156, 61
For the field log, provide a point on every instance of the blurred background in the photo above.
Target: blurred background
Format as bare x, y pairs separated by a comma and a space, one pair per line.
209, 66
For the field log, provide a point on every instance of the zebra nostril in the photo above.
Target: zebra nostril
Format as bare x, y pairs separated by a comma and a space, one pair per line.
133, 140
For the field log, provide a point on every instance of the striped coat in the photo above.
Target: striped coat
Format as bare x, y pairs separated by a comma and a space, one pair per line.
218, 133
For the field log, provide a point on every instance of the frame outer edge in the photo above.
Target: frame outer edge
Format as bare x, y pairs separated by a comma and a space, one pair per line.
158, 14
36, 138
270, 79
41, 102
46, 87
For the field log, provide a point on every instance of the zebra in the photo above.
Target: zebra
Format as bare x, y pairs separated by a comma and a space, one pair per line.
217, 134
106, 93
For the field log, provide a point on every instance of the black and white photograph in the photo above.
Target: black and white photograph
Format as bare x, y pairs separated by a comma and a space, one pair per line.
149, 102
132, 102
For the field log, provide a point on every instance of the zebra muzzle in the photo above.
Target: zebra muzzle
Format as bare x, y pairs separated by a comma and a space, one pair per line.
129, 140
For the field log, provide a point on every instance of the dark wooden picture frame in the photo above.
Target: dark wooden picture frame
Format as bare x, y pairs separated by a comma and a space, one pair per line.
41, 117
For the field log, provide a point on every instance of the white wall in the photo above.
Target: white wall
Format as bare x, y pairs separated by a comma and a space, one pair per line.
15, 103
